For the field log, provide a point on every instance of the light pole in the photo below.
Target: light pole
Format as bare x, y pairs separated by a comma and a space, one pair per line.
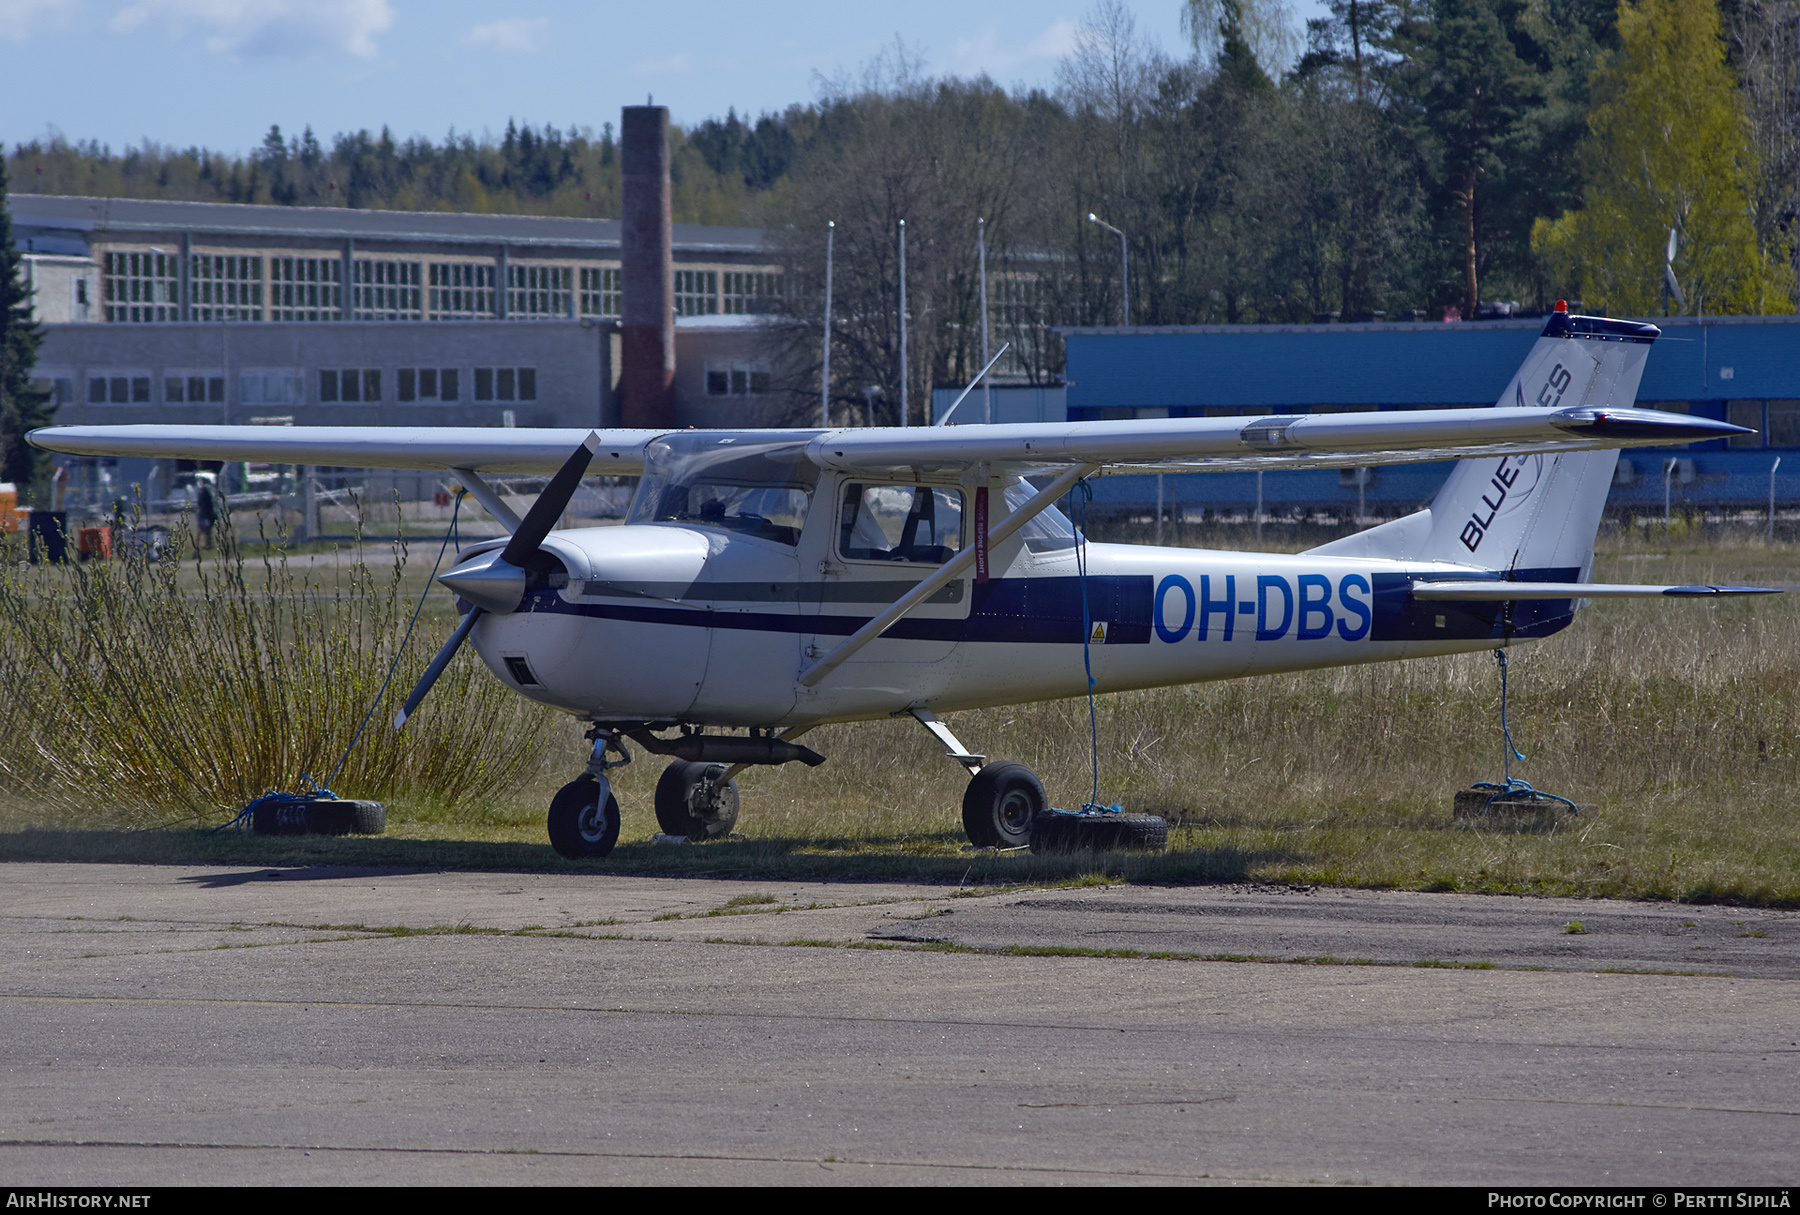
904, 421
825, 366
1124, 270
987, 393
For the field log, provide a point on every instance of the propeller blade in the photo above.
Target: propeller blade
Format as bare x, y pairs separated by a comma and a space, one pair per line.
550, 504
437, 666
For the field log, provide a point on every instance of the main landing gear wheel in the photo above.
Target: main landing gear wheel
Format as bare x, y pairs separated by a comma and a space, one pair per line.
1000, 803
691, 801
580, 826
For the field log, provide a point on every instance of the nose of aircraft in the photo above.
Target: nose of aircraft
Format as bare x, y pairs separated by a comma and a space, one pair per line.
489, 581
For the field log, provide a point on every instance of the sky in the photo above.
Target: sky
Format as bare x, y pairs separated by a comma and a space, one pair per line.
218, 73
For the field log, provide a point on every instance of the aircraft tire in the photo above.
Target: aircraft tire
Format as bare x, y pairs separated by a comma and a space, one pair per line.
1056, 832
1001, 803
675, 802
318, 816
581, 828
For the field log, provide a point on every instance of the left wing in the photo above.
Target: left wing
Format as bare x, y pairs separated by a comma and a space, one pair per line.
1145, 445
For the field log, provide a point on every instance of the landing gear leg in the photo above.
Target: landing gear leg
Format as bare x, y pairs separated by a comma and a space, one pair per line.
1002, 799
584, 815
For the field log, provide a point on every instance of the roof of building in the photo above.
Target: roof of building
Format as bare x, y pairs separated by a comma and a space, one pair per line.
124, 217
1313, 366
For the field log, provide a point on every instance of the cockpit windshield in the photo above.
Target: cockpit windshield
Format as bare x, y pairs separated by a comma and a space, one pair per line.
737, 482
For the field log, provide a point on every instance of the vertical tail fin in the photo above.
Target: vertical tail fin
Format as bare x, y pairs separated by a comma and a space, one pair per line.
1536, 512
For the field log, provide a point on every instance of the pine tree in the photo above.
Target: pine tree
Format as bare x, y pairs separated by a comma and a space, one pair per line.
1669, 147
22, 407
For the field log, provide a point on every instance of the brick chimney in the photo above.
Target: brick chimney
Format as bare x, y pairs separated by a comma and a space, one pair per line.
647, 337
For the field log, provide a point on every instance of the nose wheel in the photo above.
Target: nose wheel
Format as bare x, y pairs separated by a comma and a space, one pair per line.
584, 819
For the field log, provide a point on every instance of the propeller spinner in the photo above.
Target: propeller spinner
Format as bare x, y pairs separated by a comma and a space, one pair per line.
495, 582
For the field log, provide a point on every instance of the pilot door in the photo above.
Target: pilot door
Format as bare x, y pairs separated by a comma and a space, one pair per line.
884, 539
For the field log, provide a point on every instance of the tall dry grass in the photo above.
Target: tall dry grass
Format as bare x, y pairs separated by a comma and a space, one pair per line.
148, 689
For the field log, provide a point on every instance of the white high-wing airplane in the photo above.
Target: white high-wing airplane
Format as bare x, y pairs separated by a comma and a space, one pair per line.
766, 582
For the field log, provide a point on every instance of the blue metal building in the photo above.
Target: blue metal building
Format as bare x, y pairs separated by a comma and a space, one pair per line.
1742, 369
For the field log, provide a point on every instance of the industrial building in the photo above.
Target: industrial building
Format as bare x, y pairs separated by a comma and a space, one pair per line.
1744, 370
207, 312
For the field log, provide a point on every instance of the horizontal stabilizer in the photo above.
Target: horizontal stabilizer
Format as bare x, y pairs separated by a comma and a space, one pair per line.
1496, 590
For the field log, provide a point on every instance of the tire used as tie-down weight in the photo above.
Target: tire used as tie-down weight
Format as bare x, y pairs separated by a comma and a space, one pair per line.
1062, 831
318, 816
692, 803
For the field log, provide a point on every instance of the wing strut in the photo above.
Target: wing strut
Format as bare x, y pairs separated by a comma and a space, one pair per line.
946, 572
484, 493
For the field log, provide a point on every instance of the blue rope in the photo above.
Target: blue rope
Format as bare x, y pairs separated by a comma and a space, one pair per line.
1509, 786
1079, 510
455, 510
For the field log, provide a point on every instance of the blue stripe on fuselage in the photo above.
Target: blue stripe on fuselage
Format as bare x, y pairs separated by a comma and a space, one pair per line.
1030, 610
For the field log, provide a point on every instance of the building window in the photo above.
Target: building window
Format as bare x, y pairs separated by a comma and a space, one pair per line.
227, 287
748, 291
270, 386
462, 291
143, 287
184, 387
119, 388
59, 384
601, 292
696, 292
537, 293
387, 291
349, 385
306, 289
426, 384
1784, 423
506, 383
736, 379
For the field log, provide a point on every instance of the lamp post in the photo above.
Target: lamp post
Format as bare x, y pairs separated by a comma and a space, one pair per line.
1124, 270
987, 393
904, 421
825, 362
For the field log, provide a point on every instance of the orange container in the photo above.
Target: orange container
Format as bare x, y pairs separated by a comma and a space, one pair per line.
94, 542
10, 516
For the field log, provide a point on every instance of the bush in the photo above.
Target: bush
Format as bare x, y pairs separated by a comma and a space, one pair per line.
185, 685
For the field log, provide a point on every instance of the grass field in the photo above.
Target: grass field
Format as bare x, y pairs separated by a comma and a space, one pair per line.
1676, 725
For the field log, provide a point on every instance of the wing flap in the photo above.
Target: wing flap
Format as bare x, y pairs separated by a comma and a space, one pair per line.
426, 448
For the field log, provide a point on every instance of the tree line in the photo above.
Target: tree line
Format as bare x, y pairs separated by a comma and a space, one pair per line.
1404, 159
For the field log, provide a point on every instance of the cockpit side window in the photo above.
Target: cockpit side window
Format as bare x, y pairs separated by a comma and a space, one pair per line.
916, 523
738, 483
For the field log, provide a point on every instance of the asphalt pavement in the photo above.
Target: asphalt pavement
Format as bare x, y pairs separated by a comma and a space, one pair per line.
172, 1025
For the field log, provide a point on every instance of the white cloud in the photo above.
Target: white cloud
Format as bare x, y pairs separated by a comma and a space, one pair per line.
981, 54
17, 17
259, 28
512, 34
